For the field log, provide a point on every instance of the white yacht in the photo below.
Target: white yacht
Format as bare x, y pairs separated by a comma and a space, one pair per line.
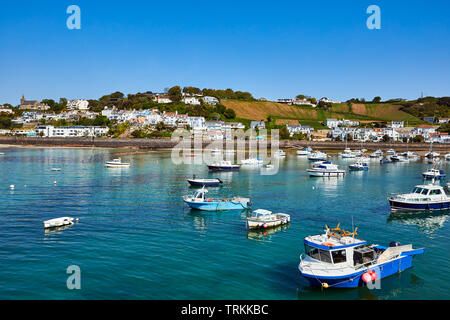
326, 169
117, 163
317, 156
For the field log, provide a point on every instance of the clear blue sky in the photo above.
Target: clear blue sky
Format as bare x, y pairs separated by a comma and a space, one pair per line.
273, 49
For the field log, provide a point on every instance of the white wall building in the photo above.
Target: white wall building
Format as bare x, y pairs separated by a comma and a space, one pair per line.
191, 100
71, 131
79, 104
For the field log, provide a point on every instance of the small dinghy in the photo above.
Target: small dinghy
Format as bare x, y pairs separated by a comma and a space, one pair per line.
55, 169
224, 165
198, 201
263, 219
434, 174
204, 182
58, 222
337, 259
117, 163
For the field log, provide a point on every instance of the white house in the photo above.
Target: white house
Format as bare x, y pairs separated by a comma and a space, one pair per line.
79, 104
332, 123
210, 100
397, 124
197, 123
71, 131
326, 100
191, 100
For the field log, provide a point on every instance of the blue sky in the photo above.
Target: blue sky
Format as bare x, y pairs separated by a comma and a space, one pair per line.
273, 49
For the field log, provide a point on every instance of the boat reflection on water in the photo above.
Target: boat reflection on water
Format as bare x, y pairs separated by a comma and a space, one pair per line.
201, 219
265, 234
426, 222
56, 230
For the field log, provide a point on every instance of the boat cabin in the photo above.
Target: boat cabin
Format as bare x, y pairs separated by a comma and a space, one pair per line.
430, 190
261, 214
199, 195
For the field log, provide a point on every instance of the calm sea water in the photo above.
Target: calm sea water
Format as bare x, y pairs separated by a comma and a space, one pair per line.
136, 240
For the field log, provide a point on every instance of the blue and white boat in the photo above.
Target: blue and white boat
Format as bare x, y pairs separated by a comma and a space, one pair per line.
325, 169
224, 165
337, 259
377, 154
317, 156
422, 198
199, 201
305, 152
434, 174
359, 166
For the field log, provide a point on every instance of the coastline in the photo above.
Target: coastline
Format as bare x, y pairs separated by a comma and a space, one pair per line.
168, 144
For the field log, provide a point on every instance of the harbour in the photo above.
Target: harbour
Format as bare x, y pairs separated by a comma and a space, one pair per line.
136, 238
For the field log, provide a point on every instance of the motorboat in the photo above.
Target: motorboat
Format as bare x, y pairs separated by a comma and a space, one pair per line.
326, 169
423, 197
359, 166
117, 163
391, 152
204, 182
434, 174
338, 259
385, 160
55, 169
279, 153
199, 201
252, 162
224, 165
447, 157
398, 158
317, 156
58, 222
263, 219
305, 152
347, 154
377, 154
432, 154
410, 155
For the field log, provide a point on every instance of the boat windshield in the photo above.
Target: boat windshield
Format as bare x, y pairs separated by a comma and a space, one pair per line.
318, 254
420, 190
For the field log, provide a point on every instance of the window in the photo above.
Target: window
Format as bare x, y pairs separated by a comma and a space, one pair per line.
435, 192
339, 256
417, 190
325, 256
424, 192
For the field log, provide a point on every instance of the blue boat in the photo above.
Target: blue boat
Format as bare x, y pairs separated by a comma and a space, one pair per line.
359, 166
224, 166
434, 174
422, 198
337, 259
204, 182
198, 201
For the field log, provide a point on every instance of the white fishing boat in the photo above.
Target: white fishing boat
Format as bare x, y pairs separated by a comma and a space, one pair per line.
117, 163
359, 166
58, 222
432, 154
377, 154
279, 153
423, 197
263, 219
224, 165
434, 174
347, 154
391, 152
317, 156
326, 169
398, 158
410, 155
252, 162
305, 152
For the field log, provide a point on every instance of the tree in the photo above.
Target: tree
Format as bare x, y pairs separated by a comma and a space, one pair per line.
349, 137
229, 113
386, 138
300, 97
376, 100
284, 133
175, 94
313, 100
418, 139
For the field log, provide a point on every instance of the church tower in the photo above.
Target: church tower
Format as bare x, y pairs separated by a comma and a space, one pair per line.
23, 99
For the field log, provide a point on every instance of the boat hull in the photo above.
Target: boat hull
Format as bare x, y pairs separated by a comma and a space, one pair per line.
223, 168
326, 174
217, 206
203, 183
354, 280
253, 224
399, 205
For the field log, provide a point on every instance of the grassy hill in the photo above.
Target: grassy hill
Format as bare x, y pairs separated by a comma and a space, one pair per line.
283, 113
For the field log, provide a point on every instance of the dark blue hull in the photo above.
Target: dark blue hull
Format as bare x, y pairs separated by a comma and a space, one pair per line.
201, 184
354, 280
419, 206
220, 168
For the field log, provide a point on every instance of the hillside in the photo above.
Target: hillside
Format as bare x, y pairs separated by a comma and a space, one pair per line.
261, 110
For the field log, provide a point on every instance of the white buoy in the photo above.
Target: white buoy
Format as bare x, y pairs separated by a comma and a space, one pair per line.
11, 187
313, 187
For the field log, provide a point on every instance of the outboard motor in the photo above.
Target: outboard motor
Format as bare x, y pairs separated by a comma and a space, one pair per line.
395, 244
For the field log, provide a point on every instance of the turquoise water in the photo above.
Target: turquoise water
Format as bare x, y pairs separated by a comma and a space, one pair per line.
136, 240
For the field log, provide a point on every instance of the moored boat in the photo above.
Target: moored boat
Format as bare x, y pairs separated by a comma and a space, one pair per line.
262, 219
391, 152
423, 198
224, 165
338, 259
325, 169
317, 156
117, 163
279, 153
376, 154
434, 174
447, 157
58, 222
204, 182
305, 152
252, 162
359, 166
199, 201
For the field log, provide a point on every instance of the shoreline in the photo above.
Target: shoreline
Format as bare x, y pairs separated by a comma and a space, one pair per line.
167, 144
